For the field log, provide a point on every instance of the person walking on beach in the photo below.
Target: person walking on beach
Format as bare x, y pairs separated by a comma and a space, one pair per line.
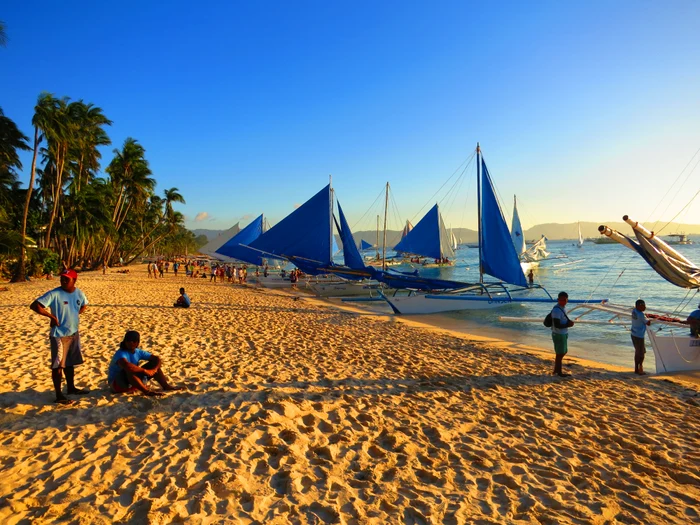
66, 303
560, 332
293, 277
639, 330
125, 374
531, 278
148, 267
183, 301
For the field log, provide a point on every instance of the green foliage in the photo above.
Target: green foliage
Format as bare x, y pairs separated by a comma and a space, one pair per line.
43, 262
201, 240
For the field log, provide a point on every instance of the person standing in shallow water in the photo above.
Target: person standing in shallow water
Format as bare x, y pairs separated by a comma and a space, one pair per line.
560, 332
66, 303
639, 330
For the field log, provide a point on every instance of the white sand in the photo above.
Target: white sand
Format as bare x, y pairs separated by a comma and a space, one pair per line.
302, 413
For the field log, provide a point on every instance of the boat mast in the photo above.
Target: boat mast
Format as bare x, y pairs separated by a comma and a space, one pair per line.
478, 197
386, 209
330, 184
377, 243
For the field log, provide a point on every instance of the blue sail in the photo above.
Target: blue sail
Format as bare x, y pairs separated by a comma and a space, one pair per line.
336, 248
428, 238
351, 255
237, 246
304, 234
498, 256
364, 245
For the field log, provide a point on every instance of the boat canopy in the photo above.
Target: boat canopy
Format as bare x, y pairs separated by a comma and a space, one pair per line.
664, 260
497, 253
428, 238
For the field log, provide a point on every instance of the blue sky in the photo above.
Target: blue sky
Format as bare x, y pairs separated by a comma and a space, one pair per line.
585, 110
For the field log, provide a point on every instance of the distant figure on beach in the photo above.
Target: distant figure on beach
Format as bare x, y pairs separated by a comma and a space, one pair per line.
125, 374
66, 304
183, 301
560, 332
639, 330
104, 267
531, 278
694, 322
294, 277
148, 267
266, 271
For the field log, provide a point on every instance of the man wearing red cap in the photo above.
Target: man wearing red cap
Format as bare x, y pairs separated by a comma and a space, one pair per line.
66, 304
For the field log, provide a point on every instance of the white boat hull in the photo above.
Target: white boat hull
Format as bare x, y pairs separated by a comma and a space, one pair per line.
422, 304
675, 353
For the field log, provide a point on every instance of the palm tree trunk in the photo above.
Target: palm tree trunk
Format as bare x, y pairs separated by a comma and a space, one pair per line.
20, 272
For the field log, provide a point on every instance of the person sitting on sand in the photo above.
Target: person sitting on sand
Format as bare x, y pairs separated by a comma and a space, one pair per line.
125, 374
183, 301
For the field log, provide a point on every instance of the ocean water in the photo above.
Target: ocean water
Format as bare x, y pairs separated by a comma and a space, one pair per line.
595, 271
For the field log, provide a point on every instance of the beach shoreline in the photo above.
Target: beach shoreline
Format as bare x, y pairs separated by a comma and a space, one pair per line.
299, 410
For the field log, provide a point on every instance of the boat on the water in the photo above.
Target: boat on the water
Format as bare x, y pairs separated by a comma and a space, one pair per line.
678, 238
497, 258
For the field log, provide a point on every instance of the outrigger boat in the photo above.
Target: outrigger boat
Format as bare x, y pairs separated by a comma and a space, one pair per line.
675, 348
497, 258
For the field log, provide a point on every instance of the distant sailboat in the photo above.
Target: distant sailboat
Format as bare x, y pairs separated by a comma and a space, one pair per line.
429, 238
364, 245
580, 237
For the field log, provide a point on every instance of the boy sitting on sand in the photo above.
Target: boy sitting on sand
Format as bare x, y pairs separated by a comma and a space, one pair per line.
125, 374
183, 301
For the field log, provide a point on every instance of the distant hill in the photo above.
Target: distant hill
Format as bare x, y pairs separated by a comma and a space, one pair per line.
552, 231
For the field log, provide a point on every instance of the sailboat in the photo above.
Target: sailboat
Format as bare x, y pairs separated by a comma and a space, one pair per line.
580, 237
429, 239
497, 258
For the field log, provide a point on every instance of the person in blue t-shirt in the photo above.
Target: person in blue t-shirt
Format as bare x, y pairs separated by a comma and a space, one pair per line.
63, 305
694, 322
183, 301
560, 332
639, 330
126, 375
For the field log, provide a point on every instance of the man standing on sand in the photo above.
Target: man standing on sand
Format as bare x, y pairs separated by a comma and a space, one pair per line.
639, 330
560, 332
125, 374
66, 304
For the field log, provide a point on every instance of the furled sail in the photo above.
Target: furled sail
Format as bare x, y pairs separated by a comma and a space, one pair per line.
406, 229
428, 238
516, 230
663, 259
237, 246
303, 236
536, 252
498, 256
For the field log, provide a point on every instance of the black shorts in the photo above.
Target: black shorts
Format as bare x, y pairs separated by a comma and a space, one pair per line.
639, 346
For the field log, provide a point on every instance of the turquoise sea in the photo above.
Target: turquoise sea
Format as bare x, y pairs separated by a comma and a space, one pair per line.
603, 271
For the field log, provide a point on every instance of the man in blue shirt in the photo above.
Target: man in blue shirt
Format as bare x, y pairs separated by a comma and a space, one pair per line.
183, 301
639, 330
125, 374
694, 322
560, 332
63, 305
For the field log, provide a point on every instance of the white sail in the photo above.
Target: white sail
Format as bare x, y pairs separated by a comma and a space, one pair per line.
580, 237
454, 239
516, 230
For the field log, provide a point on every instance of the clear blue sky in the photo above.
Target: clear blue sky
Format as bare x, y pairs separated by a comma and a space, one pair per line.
585, 110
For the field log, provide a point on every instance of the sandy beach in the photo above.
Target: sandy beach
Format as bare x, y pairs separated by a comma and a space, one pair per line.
300, 412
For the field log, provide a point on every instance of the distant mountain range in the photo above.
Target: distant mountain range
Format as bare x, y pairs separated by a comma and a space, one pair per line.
552, 231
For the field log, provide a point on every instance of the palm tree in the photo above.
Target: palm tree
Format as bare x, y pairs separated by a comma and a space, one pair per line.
3, 34
41, 122
89, 134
